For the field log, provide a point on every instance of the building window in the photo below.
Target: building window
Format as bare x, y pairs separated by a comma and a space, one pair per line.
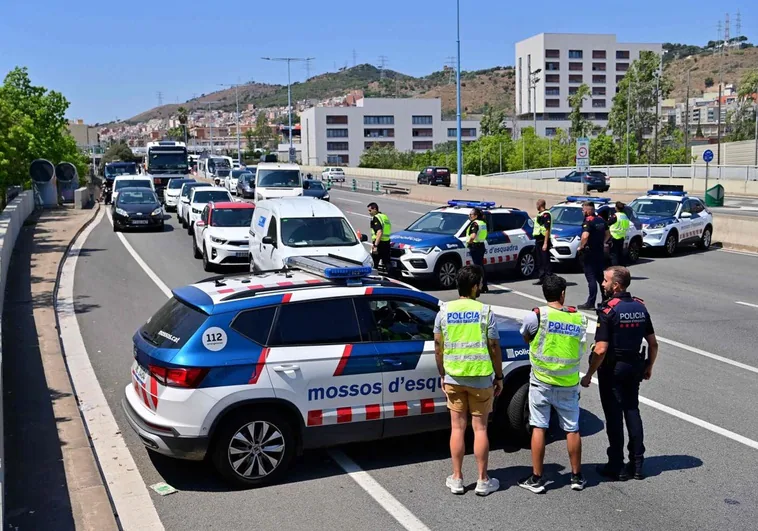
336, 133
598, 79
552, 78
379, 133
552, 91
576, 54
338, 159
619, 78
552, 54
369, 145
598, 54
423, 132
552, 103
423, 145
575, 78
576, 67
598, 91
552, 66
573, 90
336, 120
598, 104
622, 67
551, 131
337, 146
452, 132
422, 120
379, 120
598, 67
622, 54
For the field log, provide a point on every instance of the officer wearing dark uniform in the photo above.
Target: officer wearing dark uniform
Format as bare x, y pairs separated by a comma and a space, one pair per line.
541, 232
618, 358
476, 235
381, 228
592, 251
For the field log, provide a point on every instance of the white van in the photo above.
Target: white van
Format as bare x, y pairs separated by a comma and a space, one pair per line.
212, 166
274, 180
130, 181
301, 226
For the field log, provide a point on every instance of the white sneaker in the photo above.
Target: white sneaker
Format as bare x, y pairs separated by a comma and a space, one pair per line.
484, 488
455, 485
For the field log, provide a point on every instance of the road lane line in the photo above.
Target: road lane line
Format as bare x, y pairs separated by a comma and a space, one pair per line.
357, 214
397, 510
419, 213
747, 304
390, 504
348, 200
124, 482
671, 342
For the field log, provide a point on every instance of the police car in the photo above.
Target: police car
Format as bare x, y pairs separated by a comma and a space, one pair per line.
251, 370
566, 233
434, 247
671, 218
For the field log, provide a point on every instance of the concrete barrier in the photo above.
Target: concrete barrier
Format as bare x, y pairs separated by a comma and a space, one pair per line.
11, 221
84, 197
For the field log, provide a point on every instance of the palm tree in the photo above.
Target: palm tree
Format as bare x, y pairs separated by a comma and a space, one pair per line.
182, 111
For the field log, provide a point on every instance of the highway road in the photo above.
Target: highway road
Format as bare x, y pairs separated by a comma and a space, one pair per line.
699, 408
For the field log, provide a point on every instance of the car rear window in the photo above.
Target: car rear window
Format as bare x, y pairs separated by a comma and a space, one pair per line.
172, 325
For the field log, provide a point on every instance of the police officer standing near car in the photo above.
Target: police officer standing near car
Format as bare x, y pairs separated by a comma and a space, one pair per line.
381, 229
623, 322
542, 226
476, 235
592, 251
619, 226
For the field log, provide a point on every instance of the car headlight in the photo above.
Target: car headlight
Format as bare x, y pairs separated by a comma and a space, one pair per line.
326, 197
568, 239
422, 250
660, 225
157, 212
368, 261
217, 240
122, 212
196, 211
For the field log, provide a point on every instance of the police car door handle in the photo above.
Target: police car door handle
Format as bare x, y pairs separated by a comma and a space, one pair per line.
286, 368
393, 362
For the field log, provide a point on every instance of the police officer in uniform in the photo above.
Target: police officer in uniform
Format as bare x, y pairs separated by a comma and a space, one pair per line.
618, 225
476, 236
542, 227
623, 322
381, 229
592, 251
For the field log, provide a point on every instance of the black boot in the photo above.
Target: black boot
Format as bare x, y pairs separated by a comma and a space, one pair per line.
634, 469
611, 472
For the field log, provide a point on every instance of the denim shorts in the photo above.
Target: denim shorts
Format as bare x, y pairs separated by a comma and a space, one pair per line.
565, 401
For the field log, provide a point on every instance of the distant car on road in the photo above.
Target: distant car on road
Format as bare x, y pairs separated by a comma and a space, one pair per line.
221, 233
173, 191
246, 184
313, 188
335, 174
230, 181
595, 180
137, 208
434, 175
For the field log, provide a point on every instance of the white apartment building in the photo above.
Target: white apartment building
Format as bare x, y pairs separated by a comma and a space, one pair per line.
565, 61
339, 135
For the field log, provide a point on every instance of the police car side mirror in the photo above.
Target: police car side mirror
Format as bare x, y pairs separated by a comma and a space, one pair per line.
364, 237
268, 240
685, 215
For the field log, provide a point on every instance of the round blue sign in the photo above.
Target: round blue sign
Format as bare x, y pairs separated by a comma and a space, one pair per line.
708, 155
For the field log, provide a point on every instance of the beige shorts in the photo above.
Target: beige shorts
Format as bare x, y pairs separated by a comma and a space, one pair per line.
474, 400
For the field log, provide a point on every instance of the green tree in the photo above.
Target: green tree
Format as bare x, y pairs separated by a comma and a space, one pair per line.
492, 121
176, 133
263, 132
708, 82
250, 140
183, 116
118, 151
602, 150
741, 121
580, 126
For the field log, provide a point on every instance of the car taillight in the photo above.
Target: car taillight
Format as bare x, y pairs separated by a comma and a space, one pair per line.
171, 377
157, 180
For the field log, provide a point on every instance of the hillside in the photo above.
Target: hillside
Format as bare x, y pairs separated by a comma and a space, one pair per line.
706, 67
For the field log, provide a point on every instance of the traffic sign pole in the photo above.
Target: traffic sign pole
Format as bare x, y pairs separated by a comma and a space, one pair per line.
707, 157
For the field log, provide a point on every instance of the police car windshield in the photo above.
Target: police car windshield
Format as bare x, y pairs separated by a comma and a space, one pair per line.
232, 217
207, 196
317, 232
654, 207
438, 222
136, 183
567, 215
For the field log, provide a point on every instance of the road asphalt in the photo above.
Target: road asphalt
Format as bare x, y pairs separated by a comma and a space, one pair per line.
699, 477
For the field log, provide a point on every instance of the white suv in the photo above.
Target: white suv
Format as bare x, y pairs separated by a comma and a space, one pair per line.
337, 175
220, 236
198, 198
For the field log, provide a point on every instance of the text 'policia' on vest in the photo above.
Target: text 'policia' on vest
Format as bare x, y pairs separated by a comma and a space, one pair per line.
556, 350
464, 328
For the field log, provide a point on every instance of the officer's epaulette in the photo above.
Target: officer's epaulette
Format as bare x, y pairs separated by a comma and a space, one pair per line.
590, 218
610, 304
571, 309
639, 300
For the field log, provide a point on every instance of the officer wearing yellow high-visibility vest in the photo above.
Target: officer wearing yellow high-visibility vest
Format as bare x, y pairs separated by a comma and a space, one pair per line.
381, 228
557, 337
476, 235
541, 233
618, 225
467, 350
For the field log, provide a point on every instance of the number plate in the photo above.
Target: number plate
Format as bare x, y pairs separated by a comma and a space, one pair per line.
241, 254
140, 373
395, 263
139, 222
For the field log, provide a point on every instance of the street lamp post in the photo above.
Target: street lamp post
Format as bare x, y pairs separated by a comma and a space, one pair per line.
533, 80
458, 94
288, 60
210, 123
237, 98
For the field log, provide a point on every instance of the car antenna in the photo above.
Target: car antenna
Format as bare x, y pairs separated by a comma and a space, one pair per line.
220, 282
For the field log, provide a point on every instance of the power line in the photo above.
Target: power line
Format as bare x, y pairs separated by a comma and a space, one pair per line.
738, 24
160, 98
383, 61
726, 30
450, 66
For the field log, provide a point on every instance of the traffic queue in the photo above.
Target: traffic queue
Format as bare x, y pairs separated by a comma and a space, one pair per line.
322, 343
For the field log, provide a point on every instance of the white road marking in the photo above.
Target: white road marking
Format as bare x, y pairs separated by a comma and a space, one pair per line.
671, 342
357, 214
396, 509
419, 213
747, 304
735, 251
348, 200
124, 482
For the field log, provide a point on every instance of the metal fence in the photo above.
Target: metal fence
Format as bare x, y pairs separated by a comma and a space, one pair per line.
645, 171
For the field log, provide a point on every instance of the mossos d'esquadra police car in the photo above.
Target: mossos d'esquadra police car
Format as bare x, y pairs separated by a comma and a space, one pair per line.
566, 232
671, 218
434, 246
251, 370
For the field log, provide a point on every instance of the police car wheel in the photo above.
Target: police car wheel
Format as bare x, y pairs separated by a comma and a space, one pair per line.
670, 246
446, 273
207, 264
526, 264
705, 239
195, 251
633, 252
518, 414
254, 448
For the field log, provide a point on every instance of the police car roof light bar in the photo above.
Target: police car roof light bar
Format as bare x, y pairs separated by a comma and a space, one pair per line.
330, 267
675, 193
471, 204
582, 198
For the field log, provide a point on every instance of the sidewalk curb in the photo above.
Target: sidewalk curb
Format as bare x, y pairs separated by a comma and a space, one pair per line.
84, 464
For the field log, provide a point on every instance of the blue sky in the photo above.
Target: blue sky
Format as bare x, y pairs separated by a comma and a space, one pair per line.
111, 58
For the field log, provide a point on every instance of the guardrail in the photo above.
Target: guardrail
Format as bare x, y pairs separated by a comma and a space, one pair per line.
11, 220
645, 171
